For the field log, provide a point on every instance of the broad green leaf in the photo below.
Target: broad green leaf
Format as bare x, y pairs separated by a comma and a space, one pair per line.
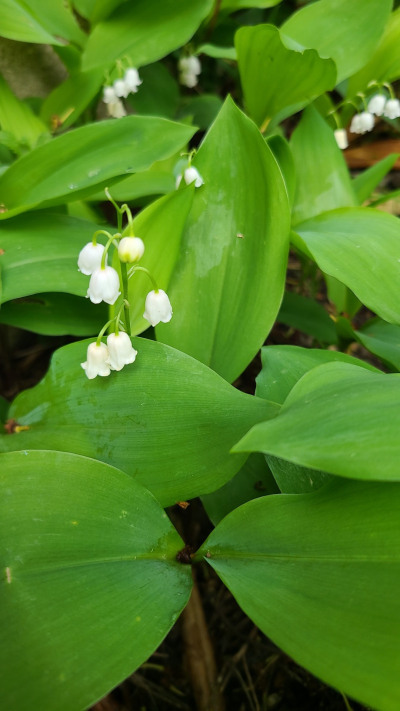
43, 21
68, 100
41, 254
343, 298
96, 10
307, 315
278, 81
348, 32
361, 248
283, 156
88, 562
338, 418
293, 479
202, 110
323, 180
146, 30
233, 5
384, 64
158, 94
78, 163
160, 225
382, 339
365, 182
318, 574
253, 480
139, 185
17, 119
229, 279
166, 420
55, 315
283, 366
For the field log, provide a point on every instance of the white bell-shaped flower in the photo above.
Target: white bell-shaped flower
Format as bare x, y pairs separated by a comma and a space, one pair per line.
157, 307
392, 109
116, 109
188, 79
376, 104
109, 95
190, 175
121, 351
363, 122
189, 69
130, 249
104, 286
341, 138
132, 80
120, 88
90, 258
96, 361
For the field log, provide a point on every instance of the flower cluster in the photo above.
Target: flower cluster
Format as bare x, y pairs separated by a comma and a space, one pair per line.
378, 105
189, 70
105, 285
121, 88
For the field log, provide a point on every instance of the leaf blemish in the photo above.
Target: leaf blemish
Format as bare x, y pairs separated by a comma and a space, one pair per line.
8, 575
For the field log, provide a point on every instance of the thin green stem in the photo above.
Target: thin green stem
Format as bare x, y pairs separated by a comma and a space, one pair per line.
125, 295
146, 271
100, 232
106, 248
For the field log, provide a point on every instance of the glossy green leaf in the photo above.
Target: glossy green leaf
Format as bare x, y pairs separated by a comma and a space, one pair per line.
146, 30
384, 64
88, 561
229, 279
308, 316
234, 5
283, 366
41, 254
253, 480
202, 110
361, 248
348, 32
343, 298
18, 119
166, 420
43, 21
213, 50
338, 418
323, 178
382, 339
294, 479
68, 100
160, 226
278, 81
158, 94
318, 574
96, 10
283, 156
365, 182
80, 162
55, 315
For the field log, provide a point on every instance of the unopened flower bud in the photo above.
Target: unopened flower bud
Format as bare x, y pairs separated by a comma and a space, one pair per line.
104, 286
130, 249
116, 109
392, 109
157, 307
109, 94
90, 258
363, 122
97, 361
341, 138
120, 350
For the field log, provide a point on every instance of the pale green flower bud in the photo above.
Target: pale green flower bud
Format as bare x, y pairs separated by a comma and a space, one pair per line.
130, 249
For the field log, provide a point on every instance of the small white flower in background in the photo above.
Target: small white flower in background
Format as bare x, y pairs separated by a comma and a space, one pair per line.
116, 109
96, 361
120, 88
341, 138
190, 175
104, 286
157, 307
109, 95
130, 249
392, 109
362, 123
376, 105
120, 350
189, 69
132, 80
90, 258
